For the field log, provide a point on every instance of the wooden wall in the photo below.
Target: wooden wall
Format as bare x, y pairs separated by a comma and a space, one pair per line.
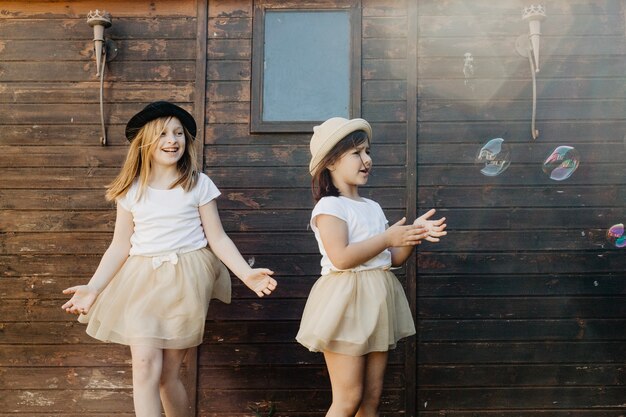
55, 223
250, 358
522, 308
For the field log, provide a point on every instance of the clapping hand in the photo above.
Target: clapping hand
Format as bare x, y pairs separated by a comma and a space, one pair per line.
260, 281
435, 228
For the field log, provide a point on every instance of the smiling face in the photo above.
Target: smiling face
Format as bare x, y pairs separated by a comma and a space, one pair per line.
170, 146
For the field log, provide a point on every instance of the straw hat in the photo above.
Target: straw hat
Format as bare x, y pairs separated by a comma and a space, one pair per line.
329, 133
159, 109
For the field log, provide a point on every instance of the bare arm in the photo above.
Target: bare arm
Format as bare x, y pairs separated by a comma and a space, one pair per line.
258, 280
112, 260
345, 255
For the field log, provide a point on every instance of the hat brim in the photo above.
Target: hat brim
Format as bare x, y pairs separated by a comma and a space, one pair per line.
156, 110
333, 138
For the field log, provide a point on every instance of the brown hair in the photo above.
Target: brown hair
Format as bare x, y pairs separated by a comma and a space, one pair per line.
322, 183
138, 163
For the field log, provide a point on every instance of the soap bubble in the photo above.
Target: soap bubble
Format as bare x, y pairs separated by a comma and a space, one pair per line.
496, 155
561, 163
615, 235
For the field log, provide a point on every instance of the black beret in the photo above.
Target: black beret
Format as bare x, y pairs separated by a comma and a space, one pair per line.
154, 111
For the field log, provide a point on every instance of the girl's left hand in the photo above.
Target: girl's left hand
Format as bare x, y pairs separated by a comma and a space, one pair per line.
435, 228
260, 281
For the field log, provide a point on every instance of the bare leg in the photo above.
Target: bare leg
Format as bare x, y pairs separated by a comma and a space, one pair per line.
147, 364
173, 395
346, 379
375, 365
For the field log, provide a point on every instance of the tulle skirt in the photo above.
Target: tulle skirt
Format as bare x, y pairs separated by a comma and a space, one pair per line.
162, 306
354, 313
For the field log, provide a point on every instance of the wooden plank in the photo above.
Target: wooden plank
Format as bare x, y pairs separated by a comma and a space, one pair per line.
384, 69
117, 8
384, 90
74, 178
569, 284
504, 25
521, 153
535, 352
519, 330
384, 111
239, 134
69, 50
522, 398
536, 197
281, 177
489, 262
42, 134
527, 413
75, 29
129, 71
383, 8
384, 27
514, 7
85, 243
580, 217
61, 156
45, 267
521, 375
565, 46
503, 110
235, 8
374, 48
230, 112
229, 49
68, 114
230, 28
57, 221
487, 89
607, 131
286, 155
231, 70
229, 91
52, 355
231, 199
285, 401
88, 91
280, 377
511, 67
524, 240
56, 401
520, 174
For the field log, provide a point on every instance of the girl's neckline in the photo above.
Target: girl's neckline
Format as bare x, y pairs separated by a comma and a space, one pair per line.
162, 189
362, 200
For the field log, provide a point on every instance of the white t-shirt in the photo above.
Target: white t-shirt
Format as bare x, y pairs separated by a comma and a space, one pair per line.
365, 219
168, 221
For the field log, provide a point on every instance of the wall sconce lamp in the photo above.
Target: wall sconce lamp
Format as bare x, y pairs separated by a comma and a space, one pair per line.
105, 50
528, 47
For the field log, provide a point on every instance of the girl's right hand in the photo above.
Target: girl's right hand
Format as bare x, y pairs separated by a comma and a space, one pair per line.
82, 300
260, 281
400, 235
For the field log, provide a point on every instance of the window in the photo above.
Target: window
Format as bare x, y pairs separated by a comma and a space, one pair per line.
306, 67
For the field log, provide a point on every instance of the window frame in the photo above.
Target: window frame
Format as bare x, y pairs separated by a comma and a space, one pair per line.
257, 124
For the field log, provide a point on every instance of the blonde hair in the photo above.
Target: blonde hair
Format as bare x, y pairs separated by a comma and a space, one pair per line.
138, 163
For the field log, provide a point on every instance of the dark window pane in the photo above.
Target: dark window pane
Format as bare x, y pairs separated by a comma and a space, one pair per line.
307, 65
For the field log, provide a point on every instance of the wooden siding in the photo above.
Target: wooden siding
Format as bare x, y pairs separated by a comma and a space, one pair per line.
522, 308
54, 221
250, 358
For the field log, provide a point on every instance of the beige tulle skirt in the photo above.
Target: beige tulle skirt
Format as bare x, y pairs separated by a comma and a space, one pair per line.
354, 313
163, 307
